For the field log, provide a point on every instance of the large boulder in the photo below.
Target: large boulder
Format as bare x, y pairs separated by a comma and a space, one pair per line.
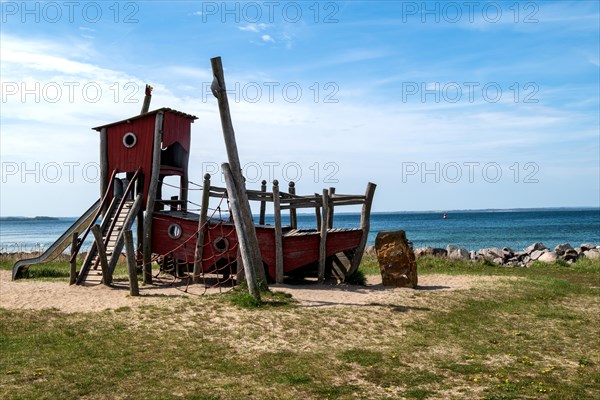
396, 259
570, 255
548, 257
491, 253
537, 254
534, 247
561, 249
430, 251
508, 252
587, 246
457, 253
592, 254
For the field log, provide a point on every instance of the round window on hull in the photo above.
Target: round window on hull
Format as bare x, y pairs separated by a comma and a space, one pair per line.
129, 140
175, 231
221, 244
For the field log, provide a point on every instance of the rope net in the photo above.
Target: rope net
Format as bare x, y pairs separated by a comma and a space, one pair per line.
220, 262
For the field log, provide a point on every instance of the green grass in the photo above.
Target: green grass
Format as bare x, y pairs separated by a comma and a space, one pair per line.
54, 270
531, 334
240, 297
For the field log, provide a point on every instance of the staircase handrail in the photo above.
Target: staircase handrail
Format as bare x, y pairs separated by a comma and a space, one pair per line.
100, 208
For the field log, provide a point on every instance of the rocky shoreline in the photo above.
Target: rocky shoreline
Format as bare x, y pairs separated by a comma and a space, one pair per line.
509, 257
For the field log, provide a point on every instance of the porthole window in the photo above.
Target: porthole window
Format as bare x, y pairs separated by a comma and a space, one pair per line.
174, 231
129, 140
221, 244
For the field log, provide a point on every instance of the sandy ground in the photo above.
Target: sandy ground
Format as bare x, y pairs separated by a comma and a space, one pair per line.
30, 294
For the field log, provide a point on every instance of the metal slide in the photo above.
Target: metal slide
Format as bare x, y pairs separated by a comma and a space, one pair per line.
59, 245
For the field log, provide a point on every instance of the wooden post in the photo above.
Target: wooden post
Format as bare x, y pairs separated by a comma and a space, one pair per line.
323, 246
160, 205
134, 289
263, 203
104, 177
293, 218
183, 191
201, 228
278, 234
156, 149
244, 240
106, 276
365, 224
73, 266
219, 91
173, 206
318, 215
147, 99
330, 207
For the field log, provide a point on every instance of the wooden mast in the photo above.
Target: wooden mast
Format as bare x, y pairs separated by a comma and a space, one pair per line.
242, 234
219, 91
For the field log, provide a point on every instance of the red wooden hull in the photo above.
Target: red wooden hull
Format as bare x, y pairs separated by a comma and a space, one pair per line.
300, 248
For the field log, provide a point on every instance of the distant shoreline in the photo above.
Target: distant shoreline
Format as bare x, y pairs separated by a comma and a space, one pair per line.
38, 218
490, 210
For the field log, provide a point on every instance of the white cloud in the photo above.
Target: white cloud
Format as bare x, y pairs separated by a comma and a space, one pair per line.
359, 127
267, 38
253, 27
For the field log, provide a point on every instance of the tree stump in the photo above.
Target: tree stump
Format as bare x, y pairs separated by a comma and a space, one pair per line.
396, 259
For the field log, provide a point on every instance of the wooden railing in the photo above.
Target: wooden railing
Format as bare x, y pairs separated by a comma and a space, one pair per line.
324, 205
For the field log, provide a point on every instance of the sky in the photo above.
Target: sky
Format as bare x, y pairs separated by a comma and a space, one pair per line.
444, 105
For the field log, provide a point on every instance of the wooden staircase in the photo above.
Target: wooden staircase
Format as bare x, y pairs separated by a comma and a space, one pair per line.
117, 218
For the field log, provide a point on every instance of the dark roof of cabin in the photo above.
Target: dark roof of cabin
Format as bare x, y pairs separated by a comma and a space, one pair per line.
165, 109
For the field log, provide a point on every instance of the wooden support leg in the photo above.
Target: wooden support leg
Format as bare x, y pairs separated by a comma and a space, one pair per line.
330, 208
73, 264
323, 246
106, 276
365, 217
201, 228
278, 234
263, 204
134, 289
293, 219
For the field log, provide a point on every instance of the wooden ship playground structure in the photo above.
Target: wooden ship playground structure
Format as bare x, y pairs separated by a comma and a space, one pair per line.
209, 246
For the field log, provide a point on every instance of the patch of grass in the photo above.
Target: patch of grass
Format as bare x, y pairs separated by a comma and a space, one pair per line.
334, 391
418, 393
369, 265
362, 357
53, 270
240, 297
357, 278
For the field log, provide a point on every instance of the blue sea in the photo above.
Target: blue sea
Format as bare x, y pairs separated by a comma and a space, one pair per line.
469, 229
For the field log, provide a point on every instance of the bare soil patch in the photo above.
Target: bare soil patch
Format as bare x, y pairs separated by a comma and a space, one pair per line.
36, 294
